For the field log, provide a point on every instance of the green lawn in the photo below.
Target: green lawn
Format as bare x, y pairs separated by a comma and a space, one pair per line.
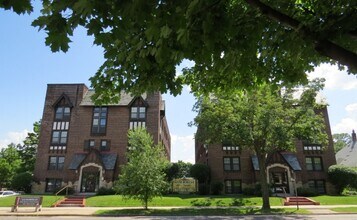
186, 201
203, 211
345, 210
181, 200
336, 200
48, 200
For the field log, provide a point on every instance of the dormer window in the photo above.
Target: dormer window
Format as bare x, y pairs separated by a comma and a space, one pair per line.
138, 113
63, 113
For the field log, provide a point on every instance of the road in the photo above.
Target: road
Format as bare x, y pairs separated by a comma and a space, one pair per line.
261, 217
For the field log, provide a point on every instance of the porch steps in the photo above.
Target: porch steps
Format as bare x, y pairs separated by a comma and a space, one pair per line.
299, 201
73, 201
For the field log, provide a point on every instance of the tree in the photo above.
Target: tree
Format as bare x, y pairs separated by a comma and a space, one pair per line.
9, 165
341, 140
27, 152
265, 120
179, 169
234, 44
143, 177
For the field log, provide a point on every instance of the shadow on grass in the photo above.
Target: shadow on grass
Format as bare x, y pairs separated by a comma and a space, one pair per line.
196, 212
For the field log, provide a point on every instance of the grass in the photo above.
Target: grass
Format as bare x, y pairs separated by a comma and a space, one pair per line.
48, 200
180, 200
198, 212
345, 210
336, 200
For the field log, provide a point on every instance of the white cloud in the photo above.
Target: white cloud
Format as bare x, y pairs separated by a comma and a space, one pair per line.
335, 78
13, 137
349, 122
351, 108
182, 148
346, 125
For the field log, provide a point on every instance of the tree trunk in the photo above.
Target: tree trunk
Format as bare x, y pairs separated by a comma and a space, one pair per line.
263, 180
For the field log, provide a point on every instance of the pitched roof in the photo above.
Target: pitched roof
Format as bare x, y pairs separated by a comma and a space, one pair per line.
347, 156
125, 99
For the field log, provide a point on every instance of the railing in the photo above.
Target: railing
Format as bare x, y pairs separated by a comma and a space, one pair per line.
63, 188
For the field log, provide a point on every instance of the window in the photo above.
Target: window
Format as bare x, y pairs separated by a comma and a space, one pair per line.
104, 145
56, 163
313, 163
53, 184
89, 144
99, 120
59, 137
314, 147
231, 163
318, 186
230, 148
138, 113
232, 186
63, 113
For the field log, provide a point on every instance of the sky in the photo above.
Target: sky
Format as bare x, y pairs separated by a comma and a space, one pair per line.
27, 65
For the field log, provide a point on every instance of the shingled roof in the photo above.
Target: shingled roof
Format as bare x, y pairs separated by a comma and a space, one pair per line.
125, 99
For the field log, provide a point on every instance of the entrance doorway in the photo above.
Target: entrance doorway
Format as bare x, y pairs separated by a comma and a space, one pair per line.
90, 177
279, 181
90, 181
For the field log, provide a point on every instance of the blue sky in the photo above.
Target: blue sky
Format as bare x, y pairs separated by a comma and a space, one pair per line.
27, 66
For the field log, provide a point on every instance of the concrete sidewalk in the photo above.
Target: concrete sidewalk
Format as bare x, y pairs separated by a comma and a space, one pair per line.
88, 211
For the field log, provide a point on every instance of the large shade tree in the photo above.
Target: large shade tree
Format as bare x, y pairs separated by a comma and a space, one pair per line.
233, 43
264, 120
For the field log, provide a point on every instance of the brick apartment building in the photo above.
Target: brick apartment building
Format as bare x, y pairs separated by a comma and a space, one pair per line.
238, 168
84, 145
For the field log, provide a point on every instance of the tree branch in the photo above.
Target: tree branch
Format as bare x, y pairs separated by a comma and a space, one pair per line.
323, 46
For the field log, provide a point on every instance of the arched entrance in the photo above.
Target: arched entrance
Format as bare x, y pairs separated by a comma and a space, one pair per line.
279, 177
90, 176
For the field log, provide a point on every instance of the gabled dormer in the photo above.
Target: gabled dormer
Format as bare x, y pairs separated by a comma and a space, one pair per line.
138, 112
62, 108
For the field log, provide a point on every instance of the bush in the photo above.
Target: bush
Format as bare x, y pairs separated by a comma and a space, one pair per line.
201, 172
106, 191
203, 189
348, 191
304, 191
216, 188
22, 182
342, 177
248, 191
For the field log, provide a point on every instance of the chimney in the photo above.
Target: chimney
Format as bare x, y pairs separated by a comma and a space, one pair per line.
353, 136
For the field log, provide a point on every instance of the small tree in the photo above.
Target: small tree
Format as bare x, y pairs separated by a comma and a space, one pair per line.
143, 177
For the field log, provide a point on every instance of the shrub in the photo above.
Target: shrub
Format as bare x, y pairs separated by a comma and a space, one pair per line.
342, 176
203, 189
201, 172
216, 188
304, 191
248, 191
22, 182
105, 191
